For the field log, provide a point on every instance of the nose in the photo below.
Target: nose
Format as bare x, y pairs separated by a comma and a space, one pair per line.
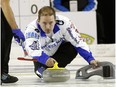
47, 26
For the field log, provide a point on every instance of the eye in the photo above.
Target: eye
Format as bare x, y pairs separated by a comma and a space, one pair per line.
51, 23
44, 23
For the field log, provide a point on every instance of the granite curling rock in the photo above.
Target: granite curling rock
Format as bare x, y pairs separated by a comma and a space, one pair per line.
56, 74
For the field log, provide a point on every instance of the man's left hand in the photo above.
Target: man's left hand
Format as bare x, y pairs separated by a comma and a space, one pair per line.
94, 63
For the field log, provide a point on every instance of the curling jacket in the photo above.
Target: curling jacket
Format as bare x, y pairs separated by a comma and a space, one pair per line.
40, 46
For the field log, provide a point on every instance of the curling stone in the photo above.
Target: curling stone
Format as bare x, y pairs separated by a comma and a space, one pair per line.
56, 74
105, 69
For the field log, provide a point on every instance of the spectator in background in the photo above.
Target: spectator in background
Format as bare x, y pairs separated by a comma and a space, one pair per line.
9, 29
82, 5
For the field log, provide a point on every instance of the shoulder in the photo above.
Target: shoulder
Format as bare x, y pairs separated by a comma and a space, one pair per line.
32, 24
32, 27
32, 31
62, 17
62, 20
63, 23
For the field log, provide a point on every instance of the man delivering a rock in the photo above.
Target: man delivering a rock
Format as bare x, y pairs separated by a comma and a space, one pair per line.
51, 38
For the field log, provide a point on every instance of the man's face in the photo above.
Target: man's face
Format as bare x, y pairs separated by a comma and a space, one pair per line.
47, 23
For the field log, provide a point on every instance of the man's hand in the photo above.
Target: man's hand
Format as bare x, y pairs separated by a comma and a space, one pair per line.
18, 35
94, 63
50, 62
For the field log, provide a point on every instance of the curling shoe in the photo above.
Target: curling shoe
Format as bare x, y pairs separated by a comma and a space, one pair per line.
39, 72
6, 78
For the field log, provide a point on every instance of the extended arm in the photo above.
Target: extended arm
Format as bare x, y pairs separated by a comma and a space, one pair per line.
76, 40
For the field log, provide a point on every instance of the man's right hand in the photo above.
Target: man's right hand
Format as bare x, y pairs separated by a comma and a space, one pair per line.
50, 62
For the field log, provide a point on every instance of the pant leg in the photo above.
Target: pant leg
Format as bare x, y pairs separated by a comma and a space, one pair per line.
65, 54
6, 35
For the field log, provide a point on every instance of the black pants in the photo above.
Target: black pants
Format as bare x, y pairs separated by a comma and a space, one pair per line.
6, 44
64, 55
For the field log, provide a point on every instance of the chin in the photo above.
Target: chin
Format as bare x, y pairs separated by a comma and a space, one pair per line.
48, 32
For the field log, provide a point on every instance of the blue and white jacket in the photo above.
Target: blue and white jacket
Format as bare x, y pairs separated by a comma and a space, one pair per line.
40, 46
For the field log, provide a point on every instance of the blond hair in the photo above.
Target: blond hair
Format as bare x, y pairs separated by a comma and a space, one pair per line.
46, 11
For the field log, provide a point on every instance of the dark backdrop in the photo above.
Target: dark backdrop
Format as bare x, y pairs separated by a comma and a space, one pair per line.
107, 10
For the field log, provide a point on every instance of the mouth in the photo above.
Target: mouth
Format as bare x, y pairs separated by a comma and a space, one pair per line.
48, 31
